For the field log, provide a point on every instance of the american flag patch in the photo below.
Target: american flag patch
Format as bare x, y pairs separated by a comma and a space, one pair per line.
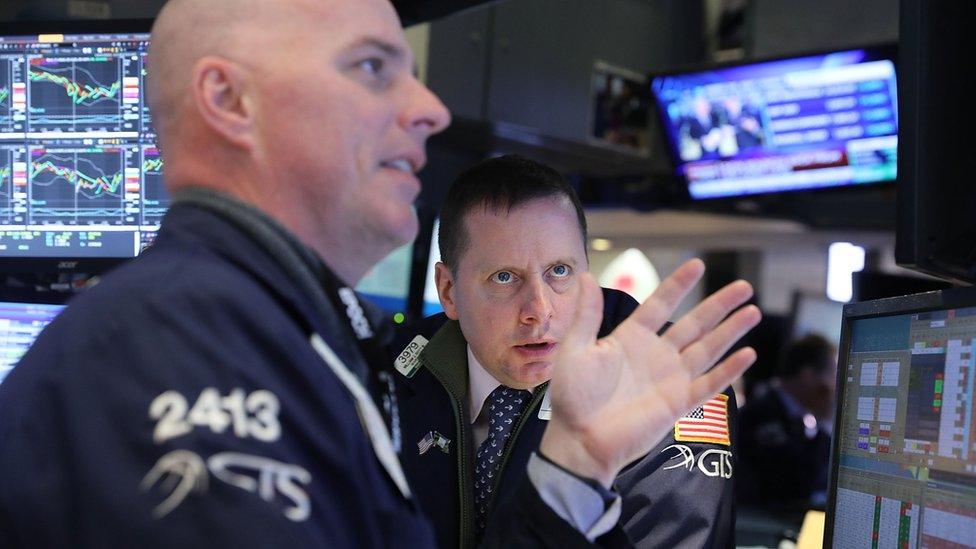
706, 423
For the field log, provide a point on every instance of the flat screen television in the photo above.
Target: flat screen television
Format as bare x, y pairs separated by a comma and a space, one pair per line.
80, 175
806, 122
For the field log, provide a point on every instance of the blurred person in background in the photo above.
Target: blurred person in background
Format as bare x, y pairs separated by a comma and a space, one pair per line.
784, 435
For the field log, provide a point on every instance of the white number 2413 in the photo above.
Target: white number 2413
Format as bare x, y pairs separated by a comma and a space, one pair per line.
249, 415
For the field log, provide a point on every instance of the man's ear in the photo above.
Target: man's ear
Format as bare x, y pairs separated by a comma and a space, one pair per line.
444, 280
220, 92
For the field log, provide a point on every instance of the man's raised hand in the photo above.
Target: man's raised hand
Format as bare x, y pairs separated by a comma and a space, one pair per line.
613, 399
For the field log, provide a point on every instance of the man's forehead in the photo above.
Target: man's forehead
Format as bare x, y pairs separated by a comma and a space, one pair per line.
495, 236
375, 18
336, 23
555, 205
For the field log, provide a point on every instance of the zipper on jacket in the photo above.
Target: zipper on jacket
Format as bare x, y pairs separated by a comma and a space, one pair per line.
467, 506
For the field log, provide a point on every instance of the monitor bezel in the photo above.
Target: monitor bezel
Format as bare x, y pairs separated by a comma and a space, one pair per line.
952, 298
68, 263
887, 50
30, 296
75, 26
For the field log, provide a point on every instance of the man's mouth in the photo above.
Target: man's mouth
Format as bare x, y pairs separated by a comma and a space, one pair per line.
401, 164
538, 349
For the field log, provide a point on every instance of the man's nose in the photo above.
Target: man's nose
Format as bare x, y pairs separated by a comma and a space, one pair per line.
537, 304
425, 112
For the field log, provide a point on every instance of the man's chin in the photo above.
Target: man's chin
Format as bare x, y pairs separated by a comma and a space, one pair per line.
533, 374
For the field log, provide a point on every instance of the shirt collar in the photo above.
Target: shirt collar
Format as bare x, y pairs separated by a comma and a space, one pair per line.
480, 385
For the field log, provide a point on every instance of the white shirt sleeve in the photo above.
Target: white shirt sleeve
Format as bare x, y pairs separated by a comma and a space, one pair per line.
573, 499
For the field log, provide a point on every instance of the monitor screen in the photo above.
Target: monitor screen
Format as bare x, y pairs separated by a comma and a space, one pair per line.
904, 457
432, 303
801, 123
80, 174
387, 284
815, 314
20, 324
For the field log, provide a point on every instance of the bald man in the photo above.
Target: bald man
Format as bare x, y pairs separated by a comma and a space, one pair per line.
220, 390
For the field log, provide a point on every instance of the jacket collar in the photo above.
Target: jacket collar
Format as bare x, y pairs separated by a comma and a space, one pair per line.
446, 357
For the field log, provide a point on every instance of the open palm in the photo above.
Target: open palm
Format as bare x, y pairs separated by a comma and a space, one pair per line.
614, 398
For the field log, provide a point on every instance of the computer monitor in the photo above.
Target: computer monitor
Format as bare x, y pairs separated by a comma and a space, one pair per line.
903, 470
815, 314
432, 303
20, 324
805, 122
80, 174
387, 284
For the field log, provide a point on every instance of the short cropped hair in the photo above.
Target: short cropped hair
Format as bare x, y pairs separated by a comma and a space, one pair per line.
498, 185
811, 351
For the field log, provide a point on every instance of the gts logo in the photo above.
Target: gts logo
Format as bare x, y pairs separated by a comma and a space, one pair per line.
712, 463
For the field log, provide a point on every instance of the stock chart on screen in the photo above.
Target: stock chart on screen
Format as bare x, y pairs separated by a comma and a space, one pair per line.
905, 461
80, 174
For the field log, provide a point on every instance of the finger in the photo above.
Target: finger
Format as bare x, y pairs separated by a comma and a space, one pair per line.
707, 314
589, 315
721, 376
700, 355
656, 310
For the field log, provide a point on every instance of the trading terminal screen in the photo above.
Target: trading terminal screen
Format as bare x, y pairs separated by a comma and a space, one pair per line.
20, 324
80, 174
906, 434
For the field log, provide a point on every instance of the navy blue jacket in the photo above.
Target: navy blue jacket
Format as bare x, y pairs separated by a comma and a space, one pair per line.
675, 507
179, 403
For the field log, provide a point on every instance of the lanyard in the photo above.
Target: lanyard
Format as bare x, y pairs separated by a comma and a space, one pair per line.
329, 296
369, 414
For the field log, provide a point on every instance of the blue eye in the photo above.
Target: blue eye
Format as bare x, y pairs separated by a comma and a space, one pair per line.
502, 277
373, 65
560, 271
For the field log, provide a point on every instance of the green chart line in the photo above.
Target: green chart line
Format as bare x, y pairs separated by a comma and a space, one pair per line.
4, 94
4, 172
152, 165
79, 179
78, 93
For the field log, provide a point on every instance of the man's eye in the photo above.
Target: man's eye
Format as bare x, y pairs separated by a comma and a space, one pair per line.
502, 277
560, 271
373, 65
